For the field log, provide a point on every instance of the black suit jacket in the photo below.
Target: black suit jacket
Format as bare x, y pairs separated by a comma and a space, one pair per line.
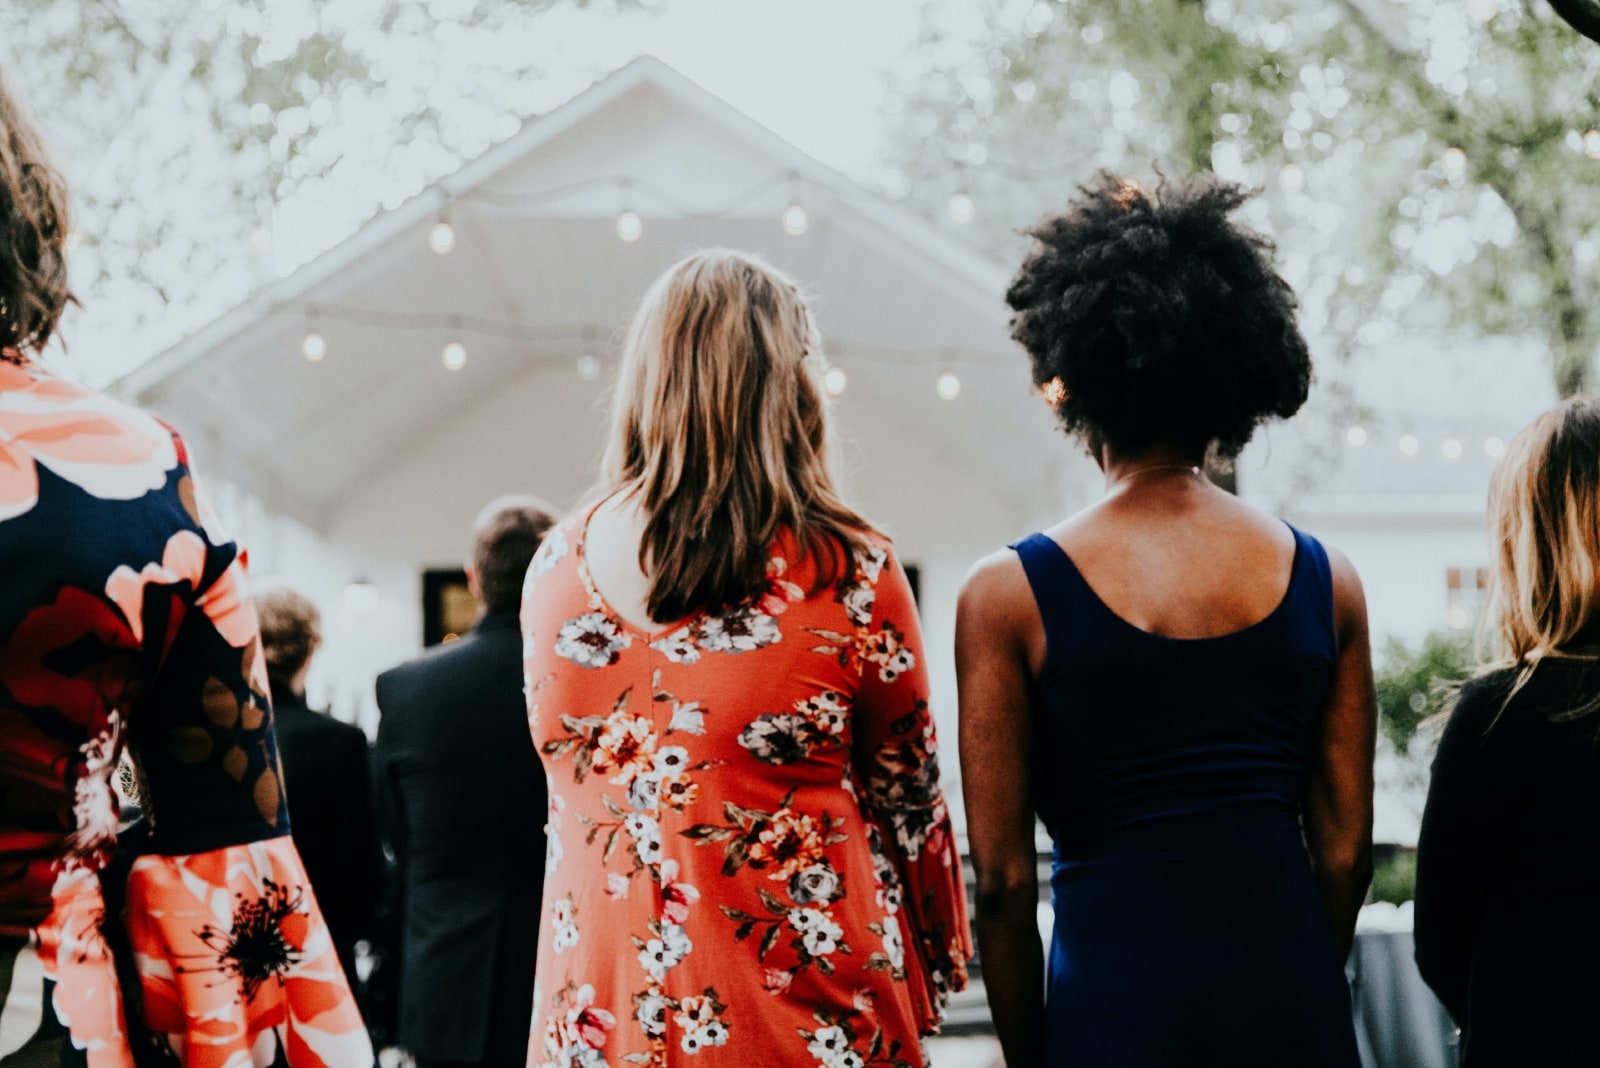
463, 801
326, 776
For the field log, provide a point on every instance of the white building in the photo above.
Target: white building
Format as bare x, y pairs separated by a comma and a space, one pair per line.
351, 475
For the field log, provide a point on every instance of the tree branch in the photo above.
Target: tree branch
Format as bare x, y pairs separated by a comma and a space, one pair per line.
1581, 15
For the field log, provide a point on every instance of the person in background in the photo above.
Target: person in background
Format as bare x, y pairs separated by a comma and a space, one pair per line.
326, 775
126, 621
1508, 861
457, 778
751, 858
1178, 685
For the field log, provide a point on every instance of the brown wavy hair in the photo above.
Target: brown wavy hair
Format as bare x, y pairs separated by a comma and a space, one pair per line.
720, 432
34, 224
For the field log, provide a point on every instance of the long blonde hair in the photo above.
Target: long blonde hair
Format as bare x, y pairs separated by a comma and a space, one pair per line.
1544, 521
720, 431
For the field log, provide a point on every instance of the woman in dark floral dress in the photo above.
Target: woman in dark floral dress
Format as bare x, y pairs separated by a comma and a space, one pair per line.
125, 622
750, 859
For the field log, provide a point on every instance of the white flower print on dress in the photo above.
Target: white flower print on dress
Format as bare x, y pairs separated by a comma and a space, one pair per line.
858, 601
592, 640
678, 647
827, 1044
564, 926
687, 716
94, 804
652, 1013
660, 955
893, 947
742, 630
551, 551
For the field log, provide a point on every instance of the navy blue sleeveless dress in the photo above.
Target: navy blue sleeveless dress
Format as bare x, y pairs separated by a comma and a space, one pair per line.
1189, 930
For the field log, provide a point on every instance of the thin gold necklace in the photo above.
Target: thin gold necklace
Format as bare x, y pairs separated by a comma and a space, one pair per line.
1193, 469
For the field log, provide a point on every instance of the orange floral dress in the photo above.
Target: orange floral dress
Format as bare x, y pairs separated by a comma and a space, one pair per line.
750, 858
126, 622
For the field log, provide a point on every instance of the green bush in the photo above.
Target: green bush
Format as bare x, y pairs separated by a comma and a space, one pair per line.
1394, 875
1414, 685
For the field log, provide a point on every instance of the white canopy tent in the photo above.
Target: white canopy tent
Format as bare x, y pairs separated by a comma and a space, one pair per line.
367, 466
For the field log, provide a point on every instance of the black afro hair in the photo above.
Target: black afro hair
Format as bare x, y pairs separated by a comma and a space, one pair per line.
1157, 319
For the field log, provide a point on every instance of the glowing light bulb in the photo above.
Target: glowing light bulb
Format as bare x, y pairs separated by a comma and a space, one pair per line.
948, 385
313, 346
1458, 616
961, 207
1455, 162
454, 356
1292, 178
1451, 449
629, 226
588, 367
1494, 448
1591, 144
1408, 444
834, 380
442, 238
1055, 391
795, 220
1356, 436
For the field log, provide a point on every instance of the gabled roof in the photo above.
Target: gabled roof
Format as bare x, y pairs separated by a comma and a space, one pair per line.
538, 276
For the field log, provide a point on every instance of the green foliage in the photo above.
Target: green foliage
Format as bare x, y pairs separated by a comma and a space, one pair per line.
1394, 876
1398, 186
1416, 684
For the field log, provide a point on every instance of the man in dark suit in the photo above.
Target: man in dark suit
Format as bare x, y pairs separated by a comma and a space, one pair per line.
325, 776
463, 803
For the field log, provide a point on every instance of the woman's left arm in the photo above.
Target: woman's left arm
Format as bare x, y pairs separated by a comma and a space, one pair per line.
1338, 786
895, 755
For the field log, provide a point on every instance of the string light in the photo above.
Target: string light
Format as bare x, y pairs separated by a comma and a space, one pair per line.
1408, 444
1292, 178
1055, 391
1455, 162
312, 346
1591, 144
948, 385
961, 207
834, 380
795, 219
454, 355
1494, 448
1356, 436
1451, 449
588, 367
442, 238
629, 226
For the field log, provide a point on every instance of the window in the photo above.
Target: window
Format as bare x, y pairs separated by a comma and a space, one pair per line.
1466, 590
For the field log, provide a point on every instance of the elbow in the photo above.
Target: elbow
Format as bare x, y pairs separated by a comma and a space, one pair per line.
1349, 865
1007, 892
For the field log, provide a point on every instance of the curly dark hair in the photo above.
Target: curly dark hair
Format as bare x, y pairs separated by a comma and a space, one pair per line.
1156, 319
33, 234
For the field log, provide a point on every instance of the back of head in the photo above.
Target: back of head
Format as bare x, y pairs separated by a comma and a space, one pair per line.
33, 234
1544, 521
291, 630
505, 536
1156, 319
719, 431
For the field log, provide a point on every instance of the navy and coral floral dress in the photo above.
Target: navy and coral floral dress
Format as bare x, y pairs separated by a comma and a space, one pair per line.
126, 624
750, 859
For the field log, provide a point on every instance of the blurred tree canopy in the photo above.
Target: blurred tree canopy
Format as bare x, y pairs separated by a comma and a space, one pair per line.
184, 127
1414, 685
1427, 164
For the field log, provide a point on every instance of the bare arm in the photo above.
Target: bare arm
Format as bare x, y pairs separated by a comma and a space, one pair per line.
993, 619
1338, 788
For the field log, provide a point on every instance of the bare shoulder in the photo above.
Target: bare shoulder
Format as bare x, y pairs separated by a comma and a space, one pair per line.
995, 578
1349, 598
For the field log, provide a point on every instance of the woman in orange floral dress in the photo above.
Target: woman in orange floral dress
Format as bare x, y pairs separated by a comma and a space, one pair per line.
750, 859
125, 622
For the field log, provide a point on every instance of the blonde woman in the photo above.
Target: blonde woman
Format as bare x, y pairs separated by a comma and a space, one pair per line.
750, 860
1508, 865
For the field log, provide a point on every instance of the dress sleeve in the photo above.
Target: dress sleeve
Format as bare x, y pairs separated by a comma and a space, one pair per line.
896, 762
1449, 851
231, 948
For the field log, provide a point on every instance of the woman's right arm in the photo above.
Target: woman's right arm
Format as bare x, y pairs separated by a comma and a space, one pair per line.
994, 678
1338, 789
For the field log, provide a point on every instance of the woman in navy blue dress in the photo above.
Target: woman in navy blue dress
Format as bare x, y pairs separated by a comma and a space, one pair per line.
1179, 686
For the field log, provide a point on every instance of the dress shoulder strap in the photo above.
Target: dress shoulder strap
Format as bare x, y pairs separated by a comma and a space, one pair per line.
1052, 576
1314, 575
